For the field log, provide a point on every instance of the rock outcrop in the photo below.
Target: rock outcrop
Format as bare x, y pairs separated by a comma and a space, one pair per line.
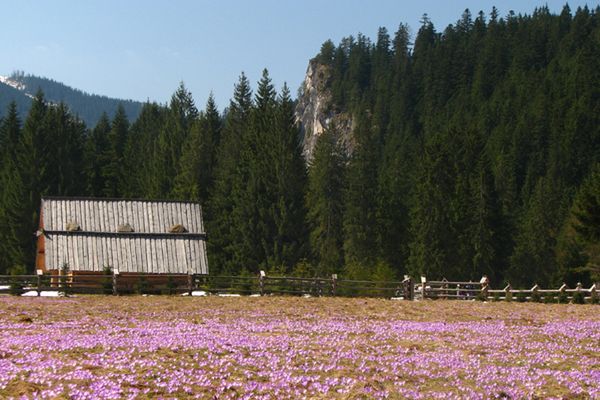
315, 111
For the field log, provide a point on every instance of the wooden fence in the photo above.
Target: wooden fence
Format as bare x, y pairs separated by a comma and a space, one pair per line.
116, 284
482, 291
180, 283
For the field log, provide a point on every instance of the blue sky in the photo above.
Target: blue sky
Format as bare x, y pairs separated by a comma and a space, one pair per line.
143, 49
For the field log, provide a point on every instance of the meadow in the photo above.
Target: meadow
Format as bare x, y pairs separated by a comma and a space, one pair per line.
95, 347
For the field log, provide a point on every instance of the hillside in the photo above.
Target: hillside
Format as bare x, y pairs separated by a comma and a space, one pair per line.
89, 107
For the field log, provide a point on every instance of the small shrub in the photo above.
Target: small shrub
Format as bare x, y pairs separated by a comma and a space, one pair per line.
107, 280
508, 297
171, 286
536, 296
549, 298
595, 299
64, 279
16, 284
521, 297
496, 297
563, 297
142, 286
482, 296
578, 298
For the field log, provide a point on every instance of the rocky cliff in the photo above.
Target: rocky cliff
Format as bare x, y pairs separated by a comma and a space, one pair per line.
315, 111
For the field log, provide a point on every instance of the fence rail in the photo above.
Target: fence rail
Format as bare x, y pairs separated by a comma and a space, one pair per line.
116, 284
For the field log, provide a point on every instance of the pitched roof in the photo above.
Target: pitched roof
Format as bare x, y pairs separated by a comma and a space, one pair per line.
149, 246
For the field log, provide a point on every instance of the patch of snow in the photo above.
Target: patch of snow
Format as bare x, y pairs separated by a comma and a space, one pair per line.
51, 294
43, 293
199, 293
17, 85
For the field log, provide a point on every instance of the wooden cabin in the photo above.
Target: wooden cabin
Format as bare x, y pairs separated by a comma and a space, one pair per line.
130, 236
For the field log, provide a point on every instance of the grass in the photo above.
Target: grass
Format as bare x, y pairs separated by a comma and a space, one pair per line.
105, 347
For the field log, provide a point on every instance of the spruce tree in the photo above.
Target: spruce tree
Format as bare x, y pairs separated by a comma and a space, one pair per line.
325, 204
11, 192
114, 170
195, 178
96, 156
181, 116
360, 218
220, 222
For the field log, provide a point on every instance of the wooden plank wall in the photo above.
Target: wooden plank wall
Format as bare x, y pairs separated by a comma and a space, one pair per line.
173, 253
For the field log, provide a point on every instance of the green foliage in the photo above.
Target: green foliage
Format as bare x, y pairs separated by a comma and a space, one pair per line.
16, 284
563, 297
171, 286
536, 297
324, 202
549, 298
142, 286
303, 269
578, 298
64, 280
107, 280
521, 297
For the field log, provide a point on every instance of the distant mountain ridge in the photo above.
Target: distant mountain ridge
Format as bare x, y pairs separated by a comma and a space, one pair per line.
21, 88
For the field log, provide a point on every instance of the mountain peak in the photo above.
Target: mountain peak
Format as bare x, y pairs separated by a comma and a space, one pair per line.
21, 88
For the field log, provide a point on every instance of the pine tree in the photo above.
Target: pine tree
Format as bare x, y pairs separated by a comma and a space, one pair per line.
252, 188
288, 167
114, 171
27, 178
96, 152
325, 204
220, 221
142, 156
181, 116
195, 178
11, 192
360, 218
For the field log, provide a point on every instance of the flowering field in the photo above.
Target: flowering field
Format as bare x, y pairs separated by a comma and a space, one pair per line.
277, 347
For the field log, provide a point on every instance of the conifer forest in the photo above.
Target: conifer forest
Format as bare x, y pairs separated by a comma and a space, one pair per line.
475, 150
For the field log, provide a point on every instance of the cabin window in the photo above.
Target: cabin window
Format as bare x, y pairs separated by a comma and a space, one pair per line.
124, 228
177, 228
73, 227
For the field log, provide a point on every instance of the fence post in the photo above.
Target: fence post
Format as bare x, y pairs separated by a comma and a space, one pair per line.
534, 292
484, 290
333, 283
408, 289
190, 283
39, 281
507, 293
423, 283
261, 282
114, 282
562, 293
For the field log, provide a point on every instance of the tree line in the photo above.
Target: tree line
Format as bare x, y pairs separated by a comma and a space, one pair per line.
475, 151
